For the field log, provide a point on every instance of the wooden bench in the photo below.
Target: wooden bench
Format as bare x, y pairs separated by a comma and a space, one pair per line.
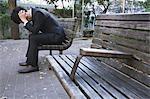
69, 26
118, 64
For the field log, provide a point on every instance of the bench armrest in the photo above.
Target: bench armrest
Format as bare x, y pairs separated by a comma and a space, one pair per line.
104, 53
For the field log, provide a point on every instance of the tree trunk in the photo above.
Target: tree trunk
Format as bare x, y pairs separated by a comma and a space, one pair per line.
75, 8
106, 8
14, 26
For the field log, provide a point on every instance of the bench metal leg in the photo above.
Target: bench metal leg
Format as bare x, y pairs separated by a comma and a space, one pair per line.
50, 52
72, 76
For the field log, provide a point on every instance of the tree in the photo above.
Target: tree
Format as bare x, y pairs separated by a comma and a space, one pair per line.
3, 7
54, 2
116, 6
105, 3
146, 5
64, 12
14, 27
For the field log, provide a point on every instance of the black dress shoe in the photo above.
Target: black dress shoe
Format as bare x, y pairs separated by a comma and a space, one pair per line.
29, 69
23, 64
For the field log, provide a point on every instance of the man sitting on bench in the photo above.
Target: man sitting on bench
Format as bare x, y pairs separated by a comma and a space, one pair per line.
44, 30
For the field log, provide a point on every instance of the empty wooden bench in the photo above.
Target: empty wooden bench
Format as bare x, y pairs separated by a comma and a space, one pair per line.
123, 43
118, 64
98, 80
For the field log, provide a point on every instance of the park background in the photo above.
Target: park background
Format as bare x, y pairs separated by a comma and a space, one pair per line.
85, 11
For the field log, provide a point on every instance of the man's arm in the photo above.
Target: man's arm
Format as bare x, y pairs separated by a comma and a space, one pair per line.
38, 22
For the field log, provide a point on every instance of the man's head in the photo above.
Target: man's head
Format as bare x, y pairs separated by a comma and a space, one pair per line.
15, 16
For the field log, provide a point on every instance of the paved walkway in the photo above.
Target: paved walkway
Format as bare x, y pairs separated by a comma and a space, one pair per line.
38, 85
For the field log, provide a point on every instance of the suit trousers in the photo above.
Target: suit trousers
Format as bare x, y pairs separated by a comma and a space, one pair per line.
35, 40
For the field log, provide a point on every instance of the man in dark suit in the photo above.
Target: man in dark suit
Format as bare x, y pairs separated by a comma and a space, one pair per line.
44, 30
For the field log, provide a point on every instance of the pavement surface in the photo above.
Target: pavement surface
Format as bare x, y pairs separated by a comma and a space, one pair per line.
37, 85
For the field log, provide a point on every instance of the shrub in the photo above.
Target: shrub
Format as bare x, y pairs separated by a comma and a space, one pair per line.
5, 25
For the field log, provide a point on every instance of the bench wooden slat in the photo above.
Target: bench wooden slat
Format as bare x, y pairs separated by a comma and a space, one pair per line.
139, 25
125, 17
131, 72
138, 65
143, 57
80, 81
135, 83
98, 79
119, 84
104, 53
127, 33
87, 78
132, 85
127, 42
67, 83
116, 78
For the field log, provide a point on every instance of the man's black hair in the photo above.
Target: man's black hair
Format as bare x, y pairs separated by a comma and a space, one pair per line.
15, 16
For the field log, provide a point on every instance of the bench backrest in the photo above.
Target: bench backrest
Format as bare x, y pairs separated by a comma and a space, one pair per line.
68, 23
128, 33
69, 26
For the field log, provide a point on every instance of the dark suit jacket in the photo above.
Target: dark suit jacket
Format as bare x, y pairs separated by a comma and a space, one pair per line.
43, 21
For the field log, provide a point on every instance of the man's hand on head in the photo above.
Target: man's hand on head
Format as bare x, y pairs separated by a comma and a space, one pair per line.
23, 16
